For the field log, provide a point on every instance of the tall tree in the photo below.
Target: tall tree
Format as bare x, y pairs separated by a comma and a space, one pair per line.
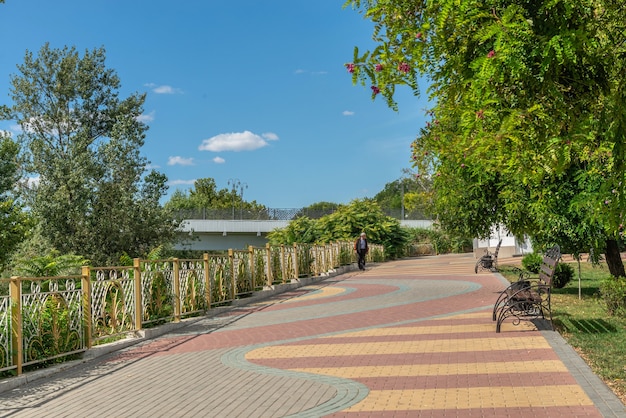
528, 96
14, 222
84, 143
206, 195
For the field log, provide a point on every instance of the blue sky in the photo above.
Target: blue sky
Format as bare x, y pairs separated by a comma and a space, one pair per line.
249, 90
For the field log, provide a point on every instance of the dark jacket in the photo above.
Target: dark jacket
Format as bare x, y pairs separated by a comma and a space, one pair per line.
356, 245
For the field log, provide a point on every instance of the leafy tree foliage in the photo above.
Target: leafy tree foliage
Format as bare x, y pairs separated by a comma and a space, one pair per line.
14, 222
206, 195
93, 197
51, 264
527, 125
412, 191
346, 223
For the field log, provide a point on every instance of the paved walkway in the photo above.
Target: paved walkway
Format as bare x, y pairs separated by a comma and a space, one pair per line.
409, 338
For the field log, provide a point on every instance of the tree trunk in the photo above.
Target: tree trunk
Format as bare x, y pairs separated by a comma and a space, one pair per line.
614, 259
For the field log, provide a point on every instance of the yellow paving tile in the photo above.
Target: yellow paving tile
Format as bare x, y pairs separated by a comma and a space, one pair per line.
466, 398
320, 293
535, 366
425, 330
399, 347
317, 293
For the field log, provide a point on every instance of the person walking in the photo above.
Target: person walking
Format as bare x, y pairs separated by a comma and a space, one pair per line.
361, 248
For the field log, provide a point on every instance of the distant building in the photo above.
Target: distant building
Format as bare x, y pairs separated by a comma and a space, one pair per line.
512, 246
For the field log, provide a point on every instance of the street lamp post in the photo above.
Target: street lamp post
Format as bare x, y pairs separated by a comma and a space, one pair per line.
234, 183
241, 187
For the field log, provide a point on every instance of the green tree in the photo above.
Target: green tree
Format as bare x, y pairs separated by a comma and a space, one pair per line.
345, 224
410, 191
527, 96
14, 221
206, 195
93, 197
51, 264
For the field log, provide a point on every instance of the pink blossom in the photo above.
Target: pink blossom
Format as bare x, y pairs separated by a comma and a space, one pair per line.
462, 165
404, 67
418, 35
375, 90
378, 68
491, 54
350, 67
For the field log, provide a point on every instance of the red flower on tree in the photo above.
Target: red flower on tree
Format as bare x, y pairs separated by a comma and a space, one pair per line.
491, 54
404, 67
350, 67
375, 90
378, 68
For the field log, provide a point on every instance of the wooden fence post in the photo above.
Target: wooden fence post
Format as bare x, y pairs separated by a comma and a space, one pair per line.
177, 299
138, 294
17, 343
86, 288
233, 276
268, 252
207, 280
296, 268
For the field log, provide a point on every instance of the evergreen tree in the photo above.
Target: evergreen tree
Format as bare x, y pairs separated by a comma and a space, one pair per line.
83, 142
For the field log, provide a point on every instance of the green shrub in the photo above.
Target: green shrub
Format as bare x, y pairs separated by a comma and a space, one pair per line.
532, 262
563, 274
613, 293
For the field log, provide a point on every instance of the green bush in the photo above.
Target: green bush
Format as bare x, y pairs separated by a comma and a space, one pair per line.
563, 274
613, 293
532, 262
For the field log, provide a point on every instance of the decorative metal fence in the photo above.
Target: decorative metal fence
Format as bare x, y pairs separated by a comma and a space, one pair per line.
44, 318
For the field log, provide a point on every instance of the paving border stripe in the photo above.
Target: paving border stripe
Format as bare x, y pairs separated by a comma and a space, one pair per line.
602, 396
349, 392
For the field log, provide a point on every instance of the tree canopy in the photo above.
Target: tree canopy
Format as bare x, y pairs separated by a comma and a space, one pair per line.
82, 143
346, 223
528, 120
205, 195
14, 221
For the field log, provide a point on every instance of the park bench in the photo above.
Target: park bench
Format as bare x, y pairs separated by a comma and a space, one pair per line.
528, 299
488, 261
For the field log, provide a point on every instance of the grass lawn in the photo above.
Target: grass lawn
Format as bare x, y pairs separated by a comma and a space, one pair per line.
600, 339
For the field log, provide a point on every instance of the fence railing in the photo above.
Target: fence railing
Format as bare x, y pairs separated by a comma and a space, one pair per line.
281, 214
44, 318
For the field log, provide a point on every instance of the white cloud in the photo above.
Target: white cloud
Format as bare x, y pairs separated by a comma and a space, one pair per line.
347, 113
219, 160
237, 141
270, 136
164, 89
145, 118
180, 161
301, 71
181, 182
